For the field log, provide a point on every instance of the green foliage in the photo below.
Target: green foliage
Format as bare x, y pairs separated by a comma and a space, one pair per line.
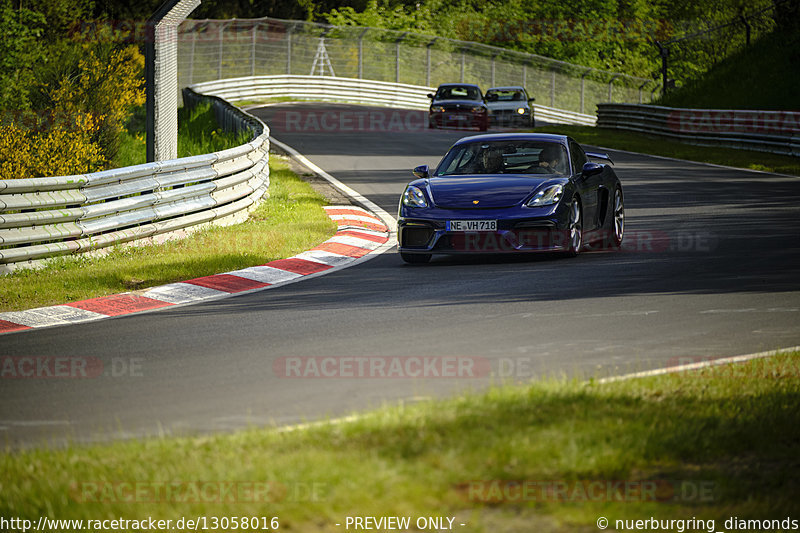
756, 77
603, 34
20, 52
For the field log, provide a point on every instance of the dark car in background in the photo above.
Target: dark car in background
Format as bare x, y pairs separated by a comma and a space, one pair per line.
458, 105
510, 106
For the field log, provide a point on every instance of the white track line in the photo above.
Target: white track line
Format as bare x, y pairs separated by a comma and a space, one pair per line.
698, 365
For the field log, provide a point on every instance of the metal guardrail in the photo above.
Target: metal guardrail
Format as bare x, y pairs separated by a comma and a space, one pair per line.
763, 131
46, 217
350, 90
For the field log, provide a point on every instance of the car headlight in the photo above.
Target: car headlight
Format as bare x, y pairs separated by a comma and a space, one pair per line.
521, 110
413, 197
478, 109
437, 109
547, 196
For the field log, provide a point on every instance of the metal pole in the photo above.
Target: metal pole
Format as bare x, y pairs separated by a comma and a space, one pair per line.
253, 53
462, 65
583, 82
219, 66
361, 54
397, 58
150, 90
552, 88
493, 58
191, 56
615, 76
640, 90
428, 62
289, 50
664, 51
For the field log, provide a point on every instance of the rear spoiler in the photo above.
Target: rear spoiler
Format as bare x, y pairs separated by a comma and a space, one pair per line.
595, 155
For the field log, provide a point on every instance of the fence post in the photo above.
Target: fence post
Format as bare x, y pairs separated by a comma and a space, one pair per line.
640, 90
219, 64
397, 57
583, 82
552, 88
253, 52
462, 65
493, 58
615, 76
191, 57
428, 62
289, 50
361, 54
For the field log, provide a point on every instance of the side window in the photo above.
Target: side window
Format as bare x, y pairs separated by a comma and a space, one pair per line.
577, 156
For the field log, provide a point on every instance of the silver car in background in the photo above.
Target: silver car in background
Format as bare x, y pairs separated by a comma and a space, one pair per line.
510, 106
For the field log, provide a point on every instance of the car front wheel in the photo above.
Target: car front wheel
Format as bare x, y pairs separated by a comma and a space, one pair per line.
575, 229
617, 230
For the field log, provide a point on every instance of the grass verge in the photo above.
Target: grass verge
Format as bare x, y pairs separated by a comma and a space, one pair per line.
710, 444
290, 221
649, 144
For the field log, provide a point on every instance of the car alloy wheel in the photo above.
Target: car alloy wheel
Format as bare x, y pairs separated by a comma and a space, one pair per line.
575, 228
619, 218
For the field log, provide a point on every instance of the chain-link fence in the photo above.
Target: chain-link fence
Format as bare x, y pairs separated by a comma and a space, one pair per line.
217, 49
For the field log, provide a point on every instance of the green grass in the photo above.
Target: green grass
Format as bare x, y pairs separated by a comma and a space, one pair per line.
290, 221
716, 443
198, 133
649, 144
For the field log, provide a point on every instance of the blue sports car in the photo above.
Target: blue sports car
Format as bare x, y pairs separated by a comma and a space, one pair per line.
511, 192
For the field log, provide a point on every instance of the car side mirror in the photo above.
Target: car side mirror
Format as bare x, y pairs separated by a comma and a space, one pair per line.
531, 99
421, 171
591, 169
429, 95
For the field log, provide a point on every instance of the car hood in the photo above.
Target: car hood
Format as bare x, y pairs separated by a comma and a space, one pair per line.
460, 192
507, 105
463, 103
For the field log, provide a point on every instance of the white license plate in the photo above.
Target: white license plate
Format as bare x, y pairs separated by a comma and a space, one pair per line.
471, 225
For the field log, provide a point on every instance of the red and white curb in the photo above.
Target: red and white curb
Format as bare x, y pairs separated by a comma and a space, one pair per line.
360, 234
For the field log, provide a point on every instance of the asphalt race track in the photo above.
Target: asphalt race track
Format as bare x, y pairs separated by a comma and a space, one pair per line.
709, 269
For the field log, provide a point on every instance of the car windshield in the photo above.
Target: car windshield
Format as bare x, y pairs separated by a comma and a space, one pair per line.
510, 95
504, 157
457, 92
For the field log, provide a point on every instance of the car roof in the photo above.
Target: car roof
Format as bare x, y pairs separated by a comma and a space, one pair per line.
546, 137
508, 88
459, 85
